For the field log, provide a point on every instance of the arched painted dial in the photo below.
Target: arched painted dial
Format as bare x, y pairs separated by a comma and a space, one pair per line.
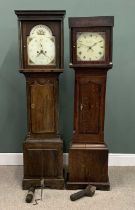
41, 46
41, 50
90, 46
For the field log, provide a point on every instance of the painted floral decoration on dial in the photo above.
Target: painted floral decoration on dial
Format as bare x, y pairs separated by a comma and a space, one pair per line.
90, 46
41, 46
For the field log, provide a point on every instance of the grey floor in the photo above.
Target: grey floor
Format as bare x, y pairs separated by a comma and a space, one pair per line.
121, 196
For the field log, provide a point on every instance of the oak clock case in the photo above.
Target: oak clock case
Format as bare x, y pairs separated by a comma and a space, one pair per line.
91, 58
41, 62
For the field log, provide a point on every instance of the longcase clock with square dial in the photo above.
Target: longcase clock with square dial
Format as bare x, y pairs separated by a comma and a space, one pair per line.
91, 58
41, 62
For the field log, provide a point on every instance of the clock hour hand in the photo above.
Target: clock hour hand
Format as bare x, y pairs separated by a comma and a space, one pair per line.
38, 53
41, 52
90, 48
44, 52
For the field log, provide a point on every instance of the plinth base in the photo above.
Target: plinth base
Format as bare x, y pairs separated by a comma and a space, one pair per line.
43, 159
88, 164
81, 185
48, 183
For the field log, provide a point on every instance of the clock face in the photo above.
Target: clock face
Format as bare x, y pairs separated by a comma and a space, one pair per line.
41, 46
90, 46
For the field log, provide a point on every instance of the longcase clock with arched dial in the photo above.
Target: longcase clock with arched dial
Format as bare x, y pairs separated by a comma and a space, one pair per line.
41, 61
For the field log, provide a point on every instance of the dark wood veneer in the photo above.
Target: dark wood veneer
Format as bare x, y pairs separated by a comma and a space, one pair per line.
88, 154
43, 148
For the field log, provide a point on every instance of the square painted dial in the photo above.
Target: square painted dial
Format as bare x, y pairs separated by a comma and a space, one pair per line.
90, 46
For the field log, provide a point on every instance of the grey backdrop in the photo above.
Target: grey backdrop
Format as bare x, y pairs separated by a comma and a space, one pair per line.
120, 96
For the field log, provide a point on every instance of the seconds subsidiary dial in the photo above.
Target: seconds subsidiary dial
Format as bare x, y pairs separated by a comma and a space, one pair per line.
90, 46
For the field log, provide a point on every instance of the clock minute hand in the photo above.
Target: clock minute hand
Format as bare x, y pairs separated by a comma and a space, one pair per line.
47, 56
44, 53
41, 46
83, 45
94, 44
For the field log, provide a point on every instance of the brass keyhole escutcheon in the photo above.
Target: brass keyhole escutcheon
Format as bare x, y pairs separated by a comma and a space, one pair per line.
32, 106
81, 107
